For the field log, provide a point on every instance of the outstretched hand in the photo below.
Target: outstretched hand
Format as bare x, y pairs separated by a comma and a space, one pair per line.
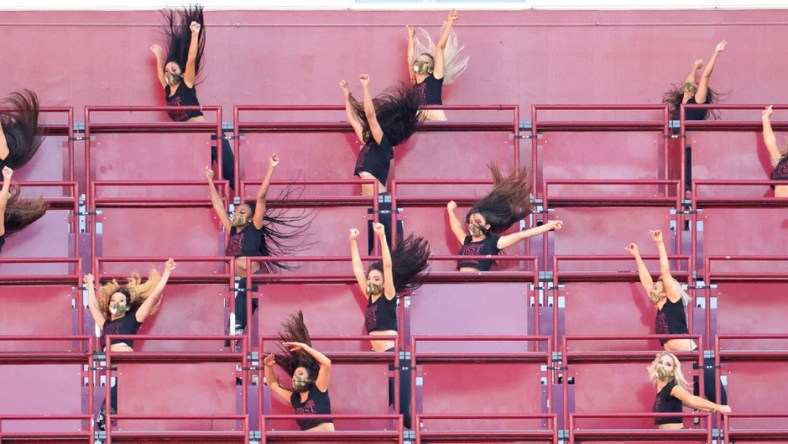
7, 173
656, 235
170, 264
633, 248
451, 206
557, 224
195, 27
411, 31
724, 409
88, 279
767, 113
156, 50
343, 85
364, 78
274, 160
353, 234
721, 46
698, 64
453, 16
208, 173
269, 360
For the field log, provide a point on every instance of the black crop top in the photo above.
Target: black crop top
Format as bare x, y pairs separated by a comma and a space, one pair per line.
317, 403
248, 242
693, 114
184, 96
665, 403
381, 315
375, 159
671, 320
780, 171
126, 325
431, 90
486, 246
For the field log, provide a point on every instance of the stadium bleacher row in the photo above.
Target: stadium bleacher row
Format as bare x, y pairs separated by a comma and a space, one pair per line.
552, 346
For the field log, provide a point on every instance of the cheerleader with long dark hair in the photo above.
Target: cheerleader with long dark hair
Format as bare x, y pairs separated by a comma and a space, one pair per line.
381, 124
309, 371
20, 137
508, 202
16, 213
693, 92
178, 73
257, 230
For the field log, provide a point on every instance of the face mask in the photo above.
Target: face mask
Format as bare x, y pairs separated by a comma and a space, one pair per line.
662, 374
240, 220
117, 308
420, 67
373, 288
654, 296
172, 79
476, 230
299, 384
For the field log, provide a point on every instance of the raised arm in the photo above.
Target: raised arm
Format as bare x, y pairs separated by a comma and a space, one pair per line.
272, 381
95, 310
664, 267
696, 65
454, 222
388, 274
411, 52
5, 194
511, 239
155, 296
438, 69
369, 110
769, 139
645, 276
696, 402
190, 72
358, 266
156, 49
350, 111
324, 374
703, 85
216, 201
259, 209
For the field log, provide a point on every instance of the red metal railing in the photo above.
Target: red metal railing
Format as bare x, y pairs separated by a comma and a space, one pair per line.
589, 434
514, 434
340, 435
733, 431
83, 432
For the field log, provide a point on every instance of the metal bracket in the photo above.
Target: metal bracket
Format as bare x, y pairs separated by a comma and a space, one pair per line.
525, 136
409, 436
563, 433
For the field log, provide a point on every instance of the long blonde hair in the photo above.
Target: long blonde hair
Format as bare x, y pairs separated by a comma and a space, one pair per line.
685, 298
678, 376
453, 65
135, 290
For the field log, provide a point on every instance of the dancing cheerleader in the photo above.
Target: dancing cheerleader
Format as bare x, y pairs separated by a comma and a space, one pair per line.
508, 202
310, 373
121, 310
692, 92
178, 73
778, 157
432, 66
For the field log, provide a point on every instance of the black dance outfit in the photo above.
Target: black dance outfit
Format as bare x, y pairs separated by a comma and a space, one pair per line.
317, 403
431, 90
665, 403
486, 246
250, 241
375, 159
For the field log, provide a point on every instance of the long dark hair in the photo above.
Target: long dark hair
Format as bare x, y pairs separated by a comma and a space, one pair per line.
179, 36
20, 126
397, 111
675, 96
19, 212
410, 257
507, 202
281, 228
294, 330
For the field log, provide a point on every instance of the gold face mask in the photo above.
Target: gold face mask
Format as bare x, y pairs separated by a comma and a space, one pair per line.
172, 79
662, 375
421, 67
373, 288
240, 220
117, 308
476, 230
